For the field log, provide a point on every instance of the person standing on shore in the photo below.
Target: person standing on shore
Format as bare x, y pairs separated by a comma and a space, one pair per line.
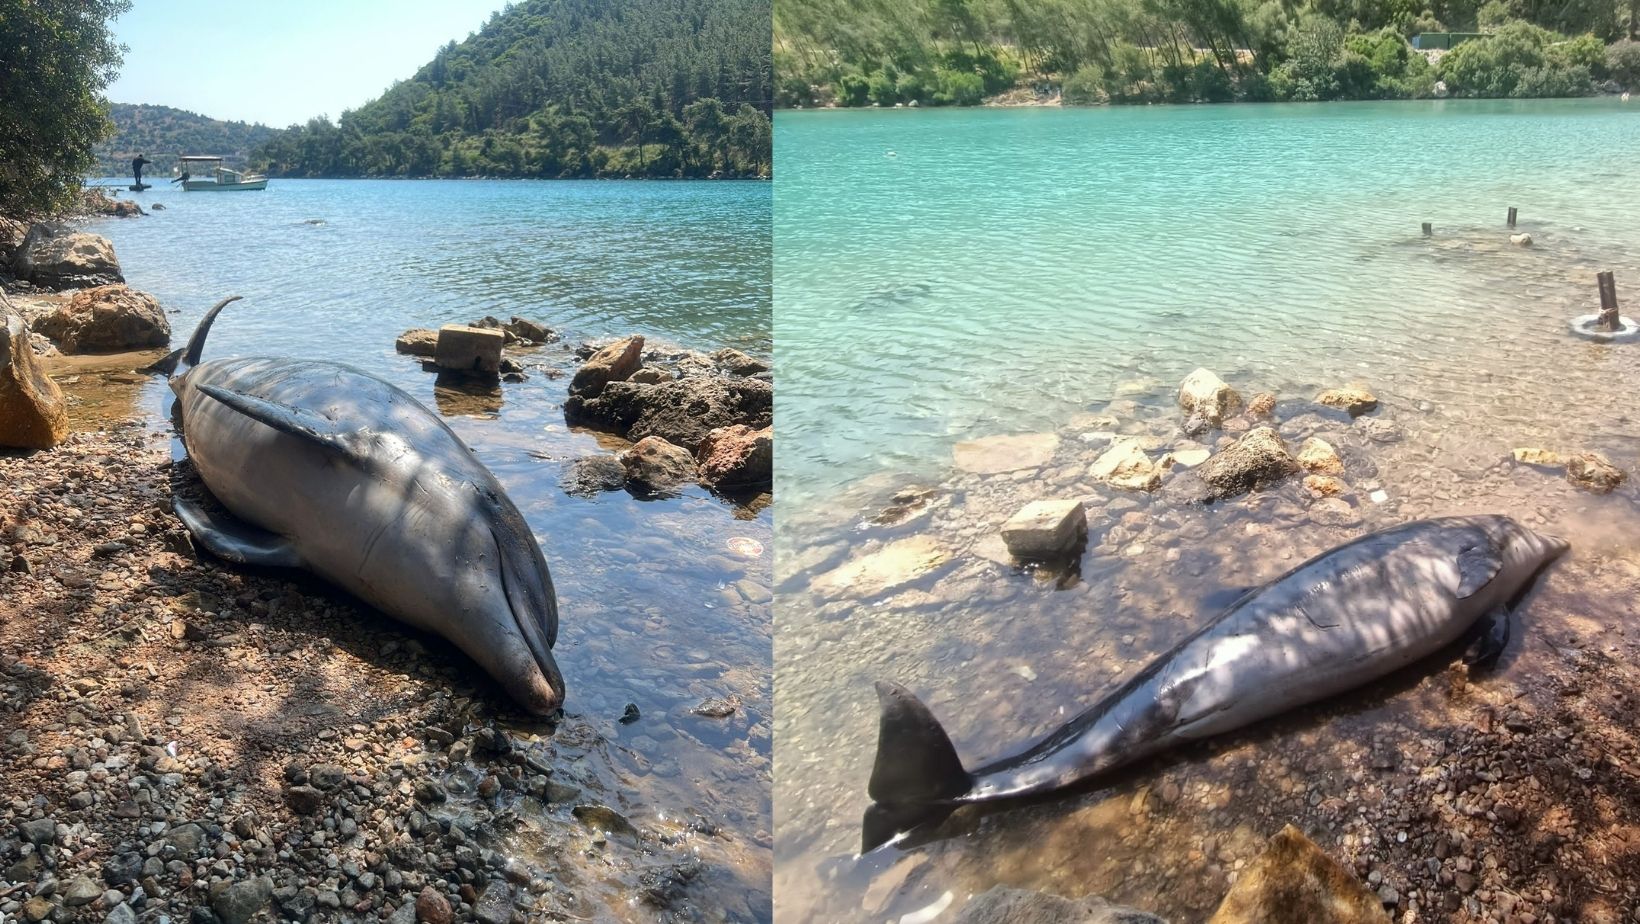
137, 163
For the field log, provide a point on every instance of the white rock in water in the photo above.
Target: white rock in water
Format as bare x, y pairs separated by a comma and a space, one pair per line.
1521, 240
1379, 496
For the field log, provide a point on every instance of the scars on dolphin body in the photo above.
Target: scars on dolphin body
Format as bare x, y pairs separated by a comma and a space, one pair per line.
330, 469
1340, 620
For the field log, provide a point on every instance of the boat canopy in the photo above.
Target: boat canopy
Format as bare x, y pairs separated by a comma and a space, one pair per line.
199, 157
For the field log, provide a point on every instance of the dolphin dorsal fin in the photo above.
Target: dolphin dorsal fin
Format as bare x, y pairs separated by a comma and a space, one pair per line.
299, 422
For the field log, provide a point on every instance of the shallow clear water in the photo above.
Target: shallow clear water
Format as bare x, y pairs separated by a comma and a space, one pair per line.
656, 607
948, 275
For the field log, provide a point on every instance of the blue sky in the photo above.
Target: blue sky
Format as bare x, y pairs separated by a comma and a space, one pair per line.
283, 62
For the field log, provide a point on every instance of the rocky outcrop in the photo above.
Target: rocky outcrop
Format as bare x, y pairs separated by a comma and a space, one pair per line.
1256, 459
107, 319
737, 458
738, 363
97, 202
656, 465
418, 341
1205, 396
1294, 882
59, 258
1592, 471
613, 363
33, 414
682, 411
1002, 905
1353, 399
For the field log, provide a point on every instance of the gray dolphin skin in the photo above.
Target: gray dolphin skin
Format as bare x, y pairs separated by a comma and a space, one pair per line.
1340, 620
328, 468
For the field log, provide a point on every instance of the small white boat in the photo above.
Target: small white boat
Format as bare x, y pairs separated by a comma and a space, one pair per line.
201, 172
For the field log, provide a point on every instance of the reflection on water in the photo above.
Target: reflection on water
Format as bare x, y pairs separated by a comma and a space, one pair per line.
1013, 273
658, 608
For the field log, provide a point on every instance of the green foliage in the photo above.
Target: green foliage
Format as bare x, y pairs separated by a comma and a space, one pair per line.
567, 88
56, 56
1147, 51
162, 133
1623, 63
1520, 60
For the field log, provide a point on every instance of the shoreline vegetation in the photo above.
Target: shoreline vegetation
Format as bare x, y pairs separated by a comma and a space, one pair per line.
564, 89
1127, 52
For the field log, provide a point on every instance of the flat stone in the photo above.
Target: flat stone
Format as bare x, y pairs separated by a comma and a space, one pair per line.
495, 904
1046, 529
469, 349
891, 566
1185, 458
994, 455
1532, 455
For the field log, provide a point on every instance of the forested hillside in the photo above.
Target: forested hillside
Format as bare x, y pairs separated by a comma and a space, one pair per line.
164, 133
945, 52
566, 88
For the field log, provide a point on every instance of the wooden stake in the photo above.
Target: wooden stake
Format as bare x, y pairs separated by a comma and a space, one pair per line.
1608, 301
1511, 216
1429, 229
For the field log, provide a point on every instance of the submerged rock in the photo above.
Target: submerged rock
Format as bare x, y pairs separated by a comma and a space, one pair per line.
592, 476
1125, 465
1002, 905
1592, 471
1325, 486
59, 258
1294, 882
1254, 460
33, 413
1262, 405
657, 465
1352, 399
994, 455
1205, 395
107, 319
613, 363
1046, 529
737, 363
889, 567
737, 458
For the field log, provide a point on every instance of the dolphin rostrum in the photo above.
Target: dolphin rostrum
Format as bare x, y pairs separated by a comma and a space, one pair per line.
1340, 620
328, 468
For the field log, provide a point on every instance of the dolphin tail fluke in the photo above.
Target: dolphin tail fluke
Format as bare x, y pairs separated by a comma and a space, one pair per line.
168, 365
917, 776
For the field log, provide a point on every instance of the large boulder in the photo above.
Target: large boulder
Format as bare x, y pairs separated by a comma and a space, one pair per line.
613, 363
1294, 882
1206, 396
107, 319
737, 458
1002, 905
657, 465
1258, 458
33, 414
682, 411
60, 258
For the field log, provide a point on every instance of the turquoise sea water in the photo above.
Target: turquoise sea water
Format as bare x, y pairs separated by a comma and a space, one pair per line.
337, 269
943, 276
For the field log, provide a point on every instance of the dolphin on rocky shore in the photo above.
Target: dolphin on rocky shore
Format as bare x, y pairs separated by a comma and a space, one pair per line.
1340, 620
324, 467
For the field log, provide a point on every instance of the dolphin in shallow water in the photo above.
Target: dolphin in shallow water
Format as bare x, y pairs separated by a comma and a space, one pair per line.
328, 468
1340, 620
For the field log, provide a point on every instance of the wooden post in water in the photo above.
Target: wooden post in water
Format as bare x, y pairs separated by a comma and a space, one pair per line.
1429, 229
1511, 217
1608, 302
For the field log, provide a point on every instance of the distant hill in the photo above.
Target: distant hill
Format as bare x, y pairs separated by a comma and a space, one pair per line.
565, 88
164, 133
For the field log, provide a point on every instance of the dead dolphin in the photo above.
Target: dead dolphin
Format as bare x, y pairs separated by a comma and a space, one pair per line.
328, 468
1340, 620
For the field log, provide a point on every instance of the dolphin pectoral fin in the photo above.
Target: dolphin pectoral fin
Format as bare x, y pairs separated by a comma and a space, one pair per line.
1477, 567
1491, 638
298, 422
235, 540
